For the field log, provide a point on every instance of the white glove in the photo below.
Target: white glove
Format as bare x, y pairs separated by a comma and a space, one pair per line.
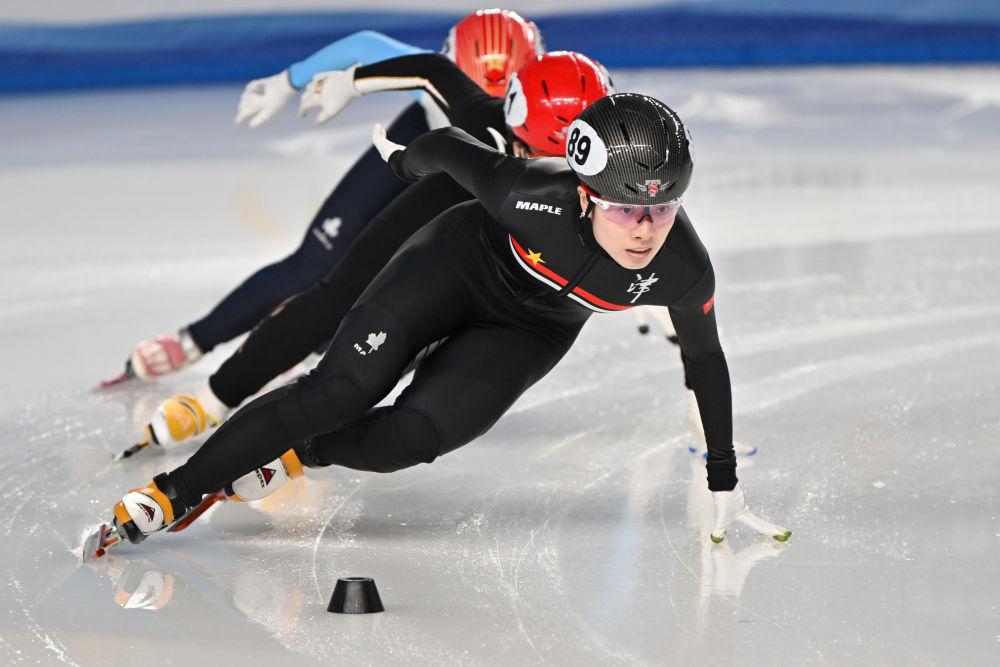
382, 143
330, 92
731, 506
262, 98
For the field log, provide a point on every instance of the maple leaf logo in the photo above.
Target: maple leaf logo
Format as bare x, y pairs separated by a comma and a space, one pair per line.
331, 227
374, 340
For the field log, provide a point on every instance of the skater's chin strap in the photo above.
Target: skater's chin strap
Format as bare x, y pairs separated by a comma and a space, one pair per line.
586, 232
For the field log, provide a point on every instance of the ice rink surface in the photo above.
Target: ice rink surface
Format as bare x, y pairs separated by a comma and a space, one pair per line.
852, 216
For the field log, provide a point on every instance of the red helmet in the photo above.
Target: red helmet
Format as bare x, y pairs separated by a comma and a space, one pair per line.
548, 93
489, 45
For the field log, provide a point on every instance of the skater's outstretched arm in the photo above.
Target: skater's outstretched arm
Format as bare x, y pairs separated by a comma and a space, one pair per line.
486, 173
263, 98
463, 102
707, 374
364, 47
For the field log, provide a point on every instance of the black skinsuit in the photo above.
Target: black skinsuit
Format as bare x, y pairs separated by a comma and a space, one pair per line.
510, 279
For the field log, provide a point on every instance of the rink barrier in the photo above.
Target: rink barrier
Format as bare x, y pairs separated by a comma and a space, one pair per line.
218, 49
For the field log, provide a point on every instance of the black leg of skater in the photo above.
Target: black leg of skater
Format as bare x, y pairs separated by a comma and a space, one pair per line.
456, 396
425, 293
440, 284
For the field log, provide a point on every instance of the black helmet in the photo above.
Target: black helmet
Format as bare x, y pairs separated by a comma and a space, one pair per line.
630, 149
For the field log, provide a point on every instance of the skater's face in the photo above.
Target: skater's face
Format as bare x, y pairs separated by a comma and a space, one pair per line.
633, 246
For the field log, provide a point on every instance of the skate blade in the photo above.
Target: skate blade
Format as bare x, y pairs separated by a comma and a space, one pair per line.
202, 507
134, 449
125, 376
98, 542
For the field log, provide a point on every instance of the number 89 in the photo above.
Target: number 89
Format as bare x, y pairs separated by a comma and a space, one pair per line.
578, 148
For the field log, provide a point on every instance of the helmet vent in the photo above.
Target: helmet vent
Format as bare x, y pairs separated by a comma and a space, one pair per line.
545, 87
643, 165
625, 133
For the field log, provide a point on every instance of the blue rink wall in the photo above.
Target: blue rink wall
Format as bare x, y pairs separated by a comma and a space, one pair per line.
706, 33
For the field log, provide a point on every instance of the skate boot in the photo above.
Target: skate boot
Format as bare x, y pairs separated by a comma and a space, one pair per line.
185, 416
143, 511
255, 485
180, 418
267, 479
162, 355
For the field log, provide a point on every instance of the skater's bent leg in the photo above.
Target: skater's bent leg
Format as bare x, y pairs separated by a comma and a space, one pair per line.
416, 300
385, 440
341, 389
457, 394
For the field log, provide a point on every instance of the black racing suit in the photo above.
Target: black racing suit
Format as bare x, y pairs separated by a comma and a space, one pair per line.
306, 321
509, 279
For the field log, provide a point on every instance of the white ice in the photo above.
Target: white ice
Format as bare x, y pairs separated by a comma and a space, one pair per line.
852, 218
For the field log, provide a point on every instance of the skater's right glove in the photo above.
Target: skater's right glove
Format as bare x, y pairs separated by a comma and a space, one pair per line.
730, 506
385, 147
330, 92
262, 98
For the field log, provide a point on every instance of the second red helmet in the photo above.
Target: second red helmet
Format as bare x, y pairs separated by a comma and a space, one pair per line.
489, 45
548, 93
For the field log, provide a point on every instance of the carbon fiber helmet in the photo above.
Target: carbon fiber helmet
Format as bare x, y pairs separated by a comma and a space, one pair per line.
631, 149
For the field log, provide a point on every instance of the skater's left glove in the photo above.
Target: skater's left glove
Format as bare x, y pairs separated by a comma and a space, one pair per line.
382, 143
263, 98
731, 506
330, 92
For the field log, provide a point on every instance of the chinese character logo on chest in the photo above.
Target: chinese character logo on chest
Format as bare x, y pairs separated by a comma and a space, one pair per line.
641, 285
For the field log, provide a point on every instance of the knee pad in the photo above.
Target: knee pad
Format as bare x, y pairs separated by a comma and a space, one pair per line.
401, 439
462, 408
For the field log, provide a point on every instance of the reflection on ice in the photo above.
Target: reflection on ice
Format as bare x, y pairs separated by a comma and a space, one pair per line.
723, 571
137, 584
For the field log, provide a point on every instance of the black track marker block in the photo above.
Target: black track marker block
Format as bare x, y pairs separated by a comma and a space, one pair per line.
355, 595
